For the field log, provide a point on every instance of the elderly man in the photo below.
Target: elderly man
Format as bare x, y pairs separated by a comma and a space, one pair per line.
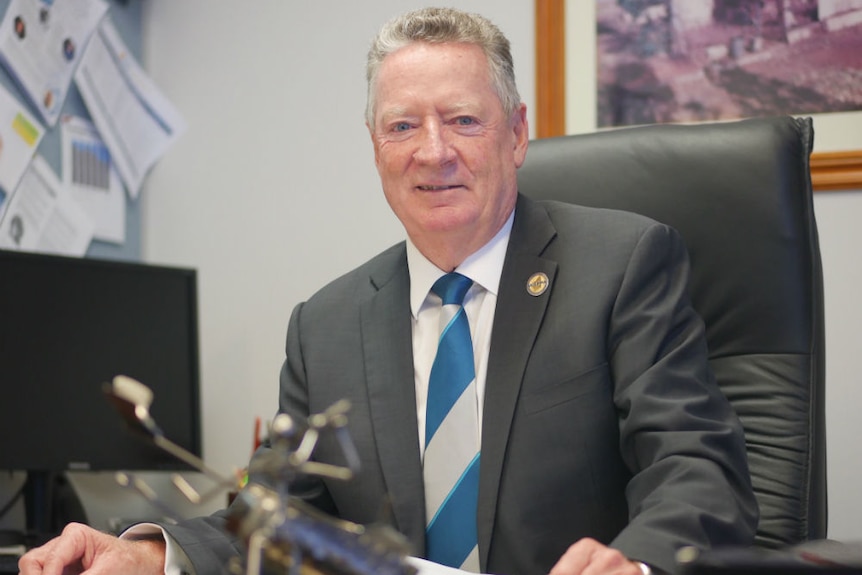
582, 432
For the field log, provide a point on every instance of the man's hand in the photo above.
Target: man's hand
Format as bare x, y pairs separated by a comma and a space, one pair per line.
589, 557
80, 548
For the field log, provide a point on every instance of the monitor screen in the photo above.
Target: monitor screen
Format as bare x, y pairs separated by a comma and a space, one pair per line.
69, 326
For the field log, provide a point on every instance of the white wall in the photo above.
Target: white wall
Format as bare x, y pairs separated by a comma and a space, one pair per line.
838, 216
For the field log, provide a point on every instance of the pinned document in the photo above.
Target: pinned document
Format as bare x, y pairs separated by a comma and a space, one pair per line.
92, 179
137, 122
20, 134
41, 44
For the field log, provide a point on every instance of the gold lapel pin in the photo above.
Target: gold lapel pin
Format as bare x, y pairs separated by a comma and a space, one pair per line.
537, 284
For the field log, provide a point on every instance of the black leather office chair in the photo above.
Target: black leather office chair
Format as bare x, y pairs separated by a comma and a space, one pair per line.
740, 195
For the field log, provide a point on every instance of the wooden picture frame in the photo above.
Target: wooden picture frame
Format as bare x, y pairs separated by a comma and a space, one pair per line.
830, 171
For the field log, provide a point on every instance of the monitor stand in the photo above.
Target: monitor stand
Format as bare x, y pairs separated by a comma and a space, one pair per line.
50, 502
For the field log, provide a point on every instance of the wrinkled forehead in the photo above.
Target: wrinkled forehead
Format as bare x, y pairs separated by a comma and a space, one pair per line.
415, 67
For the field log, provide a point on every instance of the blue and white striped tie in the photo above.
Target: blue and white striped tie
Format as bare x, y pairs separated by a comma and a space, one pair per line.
451, 464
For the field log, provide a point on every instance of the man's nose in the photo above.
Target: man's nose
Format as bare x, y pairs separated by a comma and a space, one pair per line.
434, 146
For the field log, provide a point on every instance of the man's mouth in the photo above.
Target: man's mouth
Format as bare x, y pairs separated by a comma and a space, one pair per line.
436, 188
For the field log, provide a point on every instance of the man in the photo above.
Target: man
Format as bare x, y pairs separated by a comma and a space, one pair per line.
605, 443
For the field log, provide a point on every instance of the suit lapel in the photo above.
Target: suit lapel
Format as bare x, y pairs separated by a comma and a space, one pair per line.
388, 353
516, 324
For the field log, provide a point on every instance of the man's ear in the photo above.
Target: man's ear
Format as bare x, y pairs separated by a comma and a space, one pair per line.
521, 131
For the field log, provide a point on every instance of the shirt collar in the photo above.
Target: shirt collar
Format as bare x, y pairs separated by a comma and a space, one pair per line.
484, 267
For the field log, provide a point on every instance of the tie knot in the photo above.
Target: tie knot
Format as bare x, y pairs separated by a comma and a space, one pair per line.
452, 288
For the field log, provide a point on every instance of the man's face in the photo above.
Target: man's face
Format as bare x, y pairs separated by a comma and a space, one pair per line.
445, 150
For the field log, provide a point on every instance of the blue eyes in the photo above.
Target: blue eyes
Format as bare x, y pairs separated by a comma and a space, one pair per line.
459, 121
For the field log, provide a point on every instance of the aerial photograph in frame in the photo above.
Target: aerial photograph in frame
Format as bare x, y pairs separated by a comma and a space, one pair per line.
662, 61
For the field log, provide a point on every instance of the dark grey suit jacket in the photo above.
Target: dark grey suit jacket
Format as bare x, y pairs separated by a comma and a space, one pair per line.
601, 418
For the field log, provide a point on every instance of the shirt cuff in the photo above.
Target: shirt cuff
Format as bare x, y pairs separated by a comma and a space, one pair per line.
176, 561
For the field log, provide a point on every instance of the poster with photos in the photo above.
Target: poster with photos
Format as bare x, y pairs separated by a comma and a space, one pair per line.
41, 43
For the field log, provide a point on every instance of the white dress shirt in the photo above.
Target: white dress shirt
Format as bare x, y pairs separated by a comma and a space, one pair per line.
484, 267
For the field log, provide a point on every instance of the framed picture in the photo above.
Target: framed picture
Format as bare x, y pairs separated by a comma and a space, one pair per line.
708, 60
705, 60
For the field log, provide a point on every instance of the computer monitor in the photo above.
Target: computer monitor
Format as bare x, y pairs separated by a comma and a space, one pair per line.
69, 326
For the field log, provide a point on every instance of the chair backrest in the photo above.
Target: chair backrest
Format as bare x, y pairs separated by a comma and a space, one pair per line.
740, 195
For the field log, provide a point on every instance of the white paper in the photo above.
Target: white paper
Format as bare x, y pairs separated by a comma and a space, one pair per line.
426, 567
92, 179
136, 121
20, 134
41, 44
43, 217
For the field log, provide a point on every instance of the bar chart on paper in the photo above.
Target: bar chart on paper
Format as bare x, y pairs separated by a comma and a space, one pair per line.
91, 164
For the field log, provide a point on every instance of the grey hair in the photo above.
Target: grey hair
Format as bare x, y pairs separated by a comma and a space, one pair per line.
438, 26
